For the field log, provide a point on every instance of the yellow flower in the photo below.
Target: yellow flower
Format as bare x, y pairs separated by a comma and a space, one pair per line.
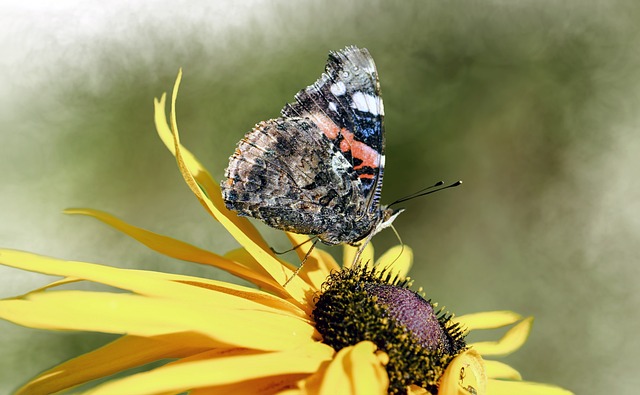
225, 338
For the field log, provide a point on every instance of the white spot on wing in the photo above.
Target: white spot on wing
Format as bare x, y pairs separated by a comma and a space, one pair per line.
367, 103
338, 162
333, 107
338, 89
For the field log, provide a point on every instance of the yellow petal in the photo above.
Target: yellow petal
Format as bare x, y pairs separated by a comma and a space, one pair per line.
262, 385
316, 274
209, 186
487, 320
499, 370
355, 370
325, 259
213, 326
273, 303
244, 258
124, 353
219, 371
281, 273
349, 254
281, 384
415, 390
367, 372
164, 285
500, 387
397, 260
291, 391
510, 342
179, 249
297, 288
53, 284
465, 375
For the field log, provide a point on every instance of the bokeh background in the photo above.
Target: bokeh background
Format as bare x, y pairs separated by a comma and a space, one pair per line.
535, 105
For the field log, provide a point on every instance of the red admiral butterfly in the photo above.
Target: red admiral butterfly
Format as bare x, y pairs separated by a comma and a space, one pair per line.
318, 169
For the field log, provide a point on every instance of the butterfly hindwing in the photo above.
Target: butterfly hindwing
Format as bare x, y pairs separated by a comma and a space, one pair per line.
286, 173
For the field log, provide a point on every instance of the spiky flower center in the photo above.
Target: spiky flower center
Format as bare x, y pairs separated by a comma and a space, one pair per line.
363, 304
416, 314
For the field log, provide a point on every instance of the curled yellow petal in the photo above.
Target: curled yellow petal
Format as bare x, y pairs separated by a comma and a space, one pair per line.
53, 284
220, 371
204, 179
465, 375
189, 169
510, 342
201, 176
488, 320
500, 370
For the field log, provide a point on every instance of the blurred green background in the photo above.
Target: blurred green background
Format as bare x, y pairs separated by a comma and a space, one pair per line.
533, 104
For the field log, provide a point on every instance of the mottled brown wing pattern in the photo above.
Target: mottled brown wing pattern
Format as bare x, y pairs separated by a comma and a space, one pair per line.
286, 173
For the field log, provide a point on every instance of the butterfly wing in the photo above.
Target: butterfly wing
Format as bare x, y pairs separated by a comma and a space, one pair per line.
346, 105
318, 170
288, 174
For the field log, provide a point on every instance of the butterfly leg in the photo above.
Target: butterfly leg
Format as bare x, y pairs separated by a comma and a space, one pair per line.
302, 263
361, 248
292, 248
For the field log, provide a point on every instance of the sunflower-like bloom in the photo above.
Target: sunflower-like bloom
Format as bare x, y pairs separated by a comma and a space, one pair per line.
331, 330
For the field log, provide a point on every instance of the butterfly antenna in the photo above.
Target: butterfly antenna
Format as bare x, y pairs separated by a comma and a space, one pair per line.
292, 248
426, 191
306, 256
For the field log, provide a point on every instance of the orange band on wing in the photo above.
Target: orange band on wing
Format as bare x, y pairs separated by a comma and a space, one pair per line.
359, 150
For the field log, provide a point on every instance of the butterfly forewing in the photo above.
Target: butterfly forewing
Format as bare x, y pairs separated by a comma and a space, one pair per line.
346, 102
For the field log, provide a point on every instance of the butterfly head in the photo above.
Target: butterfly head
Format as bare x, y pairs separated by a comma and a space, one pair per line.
387, 216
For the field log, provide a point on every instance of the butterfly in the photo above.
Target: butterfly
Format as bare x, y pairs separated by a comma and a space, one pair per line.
318, 169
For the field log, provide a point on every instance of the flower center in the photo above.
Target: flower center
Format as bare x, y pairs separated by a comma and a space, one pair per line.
410, 310
362, 304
